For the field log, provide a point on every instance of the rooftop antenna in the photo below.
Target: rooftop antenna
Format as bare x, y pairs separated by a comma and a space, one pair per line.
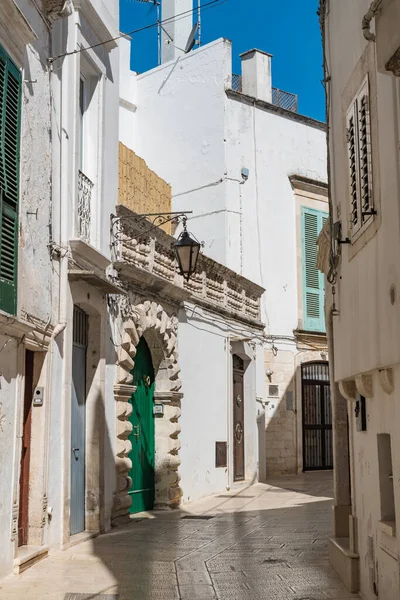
155, 4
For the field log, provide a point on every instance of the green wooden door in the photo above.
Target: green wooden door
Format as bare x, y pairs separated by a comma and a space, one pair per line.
142, 437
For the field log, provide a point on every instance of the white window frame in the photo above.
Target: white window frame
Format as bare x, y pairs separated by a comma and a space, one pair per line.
359, 161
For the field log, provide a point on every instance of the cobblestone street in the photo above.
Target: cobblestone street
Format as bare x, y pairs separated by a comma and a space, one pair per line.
261, 542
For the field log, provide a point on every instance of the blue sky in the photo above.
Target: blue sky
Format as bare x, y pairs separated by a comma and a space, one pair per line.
288, 29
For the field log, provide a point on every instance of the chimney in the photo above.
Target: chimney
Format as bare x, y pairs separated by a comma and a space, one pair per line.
178, 29
256, 75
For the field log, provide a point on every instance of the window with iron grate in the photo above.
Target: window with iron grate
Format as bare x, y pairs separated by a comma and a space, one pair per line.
359, 154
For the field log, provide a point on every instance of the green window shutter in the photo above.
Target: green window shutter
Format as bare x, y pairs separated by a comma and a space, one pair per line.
10, 108
312, 222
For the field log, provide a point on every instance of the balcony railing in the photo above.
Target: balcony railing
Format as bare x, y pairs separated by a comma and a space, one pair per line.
280, 98
85, 187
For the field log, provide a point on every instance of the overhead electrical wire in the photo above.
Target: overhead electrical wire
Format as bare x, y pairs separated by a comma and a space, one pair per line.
208, 5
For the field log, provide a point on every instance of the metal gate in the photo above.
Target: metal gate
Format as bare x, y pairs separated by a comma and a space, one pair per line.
78, 421
317, 417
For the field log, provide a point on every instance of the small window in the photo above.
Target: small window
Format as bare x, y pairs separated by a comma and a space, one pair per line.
359, 155
273, 391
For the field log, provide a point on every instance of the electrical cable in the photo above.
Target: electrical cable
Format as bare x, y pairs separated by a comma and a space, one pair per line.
210, 4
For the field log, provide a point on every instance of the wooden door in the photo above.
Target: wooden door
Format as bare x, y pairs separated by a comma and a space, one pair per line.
238, 419
142, 490
78, 421
317, 417
26, 452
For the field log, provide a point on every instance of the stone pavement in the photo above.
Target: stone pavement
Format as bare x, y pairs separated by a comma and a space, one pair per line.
267, 541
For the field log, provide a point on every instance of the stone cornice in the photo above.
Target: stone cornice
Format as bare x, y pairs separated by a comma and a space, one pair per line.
98, 25
311, 338
281, 112
308, 185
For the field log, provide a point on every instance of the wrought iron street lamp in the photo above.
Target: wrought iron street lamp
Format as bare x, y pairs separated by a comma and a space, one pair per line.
186, 247
187, 250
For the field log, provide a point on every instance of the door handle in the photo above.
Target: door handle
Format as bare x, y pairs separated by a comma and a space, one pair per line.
75, 450
136, 431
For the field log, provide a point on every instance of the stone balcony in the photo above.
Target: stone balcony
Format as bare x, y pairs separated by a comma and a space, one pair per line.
146, 258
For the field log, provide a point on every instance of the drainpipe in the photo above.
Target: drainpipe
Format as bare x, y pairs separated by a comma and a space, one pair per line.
366, 22
228, 407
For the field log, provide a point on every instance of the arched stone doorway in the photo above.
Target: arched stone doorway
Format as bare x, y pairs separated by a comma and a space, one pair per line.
159, 329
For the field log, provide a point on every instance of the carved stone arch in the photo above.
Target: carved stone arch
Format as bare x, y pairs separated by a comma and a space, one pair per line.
151, 321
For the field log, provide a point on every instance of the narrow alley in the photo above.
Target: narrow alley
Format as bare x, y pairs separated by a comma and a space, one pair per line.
267, 541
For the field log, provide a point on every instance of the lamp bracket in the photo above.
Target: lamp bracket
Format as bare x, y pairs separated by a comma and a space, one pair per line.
156, 220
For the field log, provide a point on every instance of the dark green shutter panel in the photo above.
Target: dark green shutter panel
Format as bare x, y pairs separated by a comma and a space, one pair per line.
313, 280
10, 100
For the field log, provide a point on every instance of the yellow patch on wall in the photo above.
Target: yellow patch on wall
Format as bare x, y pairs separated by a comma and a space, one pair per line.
140, 189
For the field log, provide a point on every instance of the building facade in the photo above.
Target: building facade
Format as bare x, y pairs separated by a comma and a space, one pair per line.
59, 186
359, 256
107, 357
204, 339
254, 174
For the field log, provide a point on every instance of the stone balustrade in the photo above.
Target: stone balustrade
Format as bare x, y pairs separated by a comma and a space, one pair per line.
213, 284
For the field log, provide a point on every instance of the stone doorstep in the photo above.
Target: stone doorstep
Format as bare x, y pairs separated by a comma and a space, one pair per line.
78, 538
345, 563
28, 556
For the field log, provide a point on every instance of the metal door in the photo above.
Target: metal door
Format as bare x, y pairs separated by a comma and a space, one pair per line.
238, 419
317, 417
25, 452
142, 437
78, 421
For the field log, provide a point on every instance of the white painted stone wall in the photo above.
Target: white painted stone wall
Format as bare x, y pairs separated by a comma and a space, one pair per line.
205, 138
205, 357
48, 189
34, 269
366, 330
102, 65
8, 416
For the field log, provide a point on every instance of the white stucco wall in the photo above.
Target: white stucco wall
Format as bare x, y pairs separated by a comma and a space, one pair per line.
8, 419
366, 330
180, 133
34, 268
199, 138
367, 320
263, 241
127, 96
193, 135
205, 359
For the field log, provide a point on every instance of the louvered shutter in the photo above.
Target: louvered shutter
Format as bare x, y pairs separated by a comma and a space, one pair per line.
364, 149
352, 155
313, 280
10, 100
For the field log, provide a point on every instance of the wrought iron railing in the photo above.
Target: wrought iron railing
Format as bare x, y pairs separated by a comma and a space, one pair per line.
280, 98
85, 187
284, 99
236, 82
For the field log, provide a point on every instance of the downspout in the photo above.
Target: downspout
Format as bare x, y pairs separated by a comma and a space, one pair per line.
228, 408
366, 22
